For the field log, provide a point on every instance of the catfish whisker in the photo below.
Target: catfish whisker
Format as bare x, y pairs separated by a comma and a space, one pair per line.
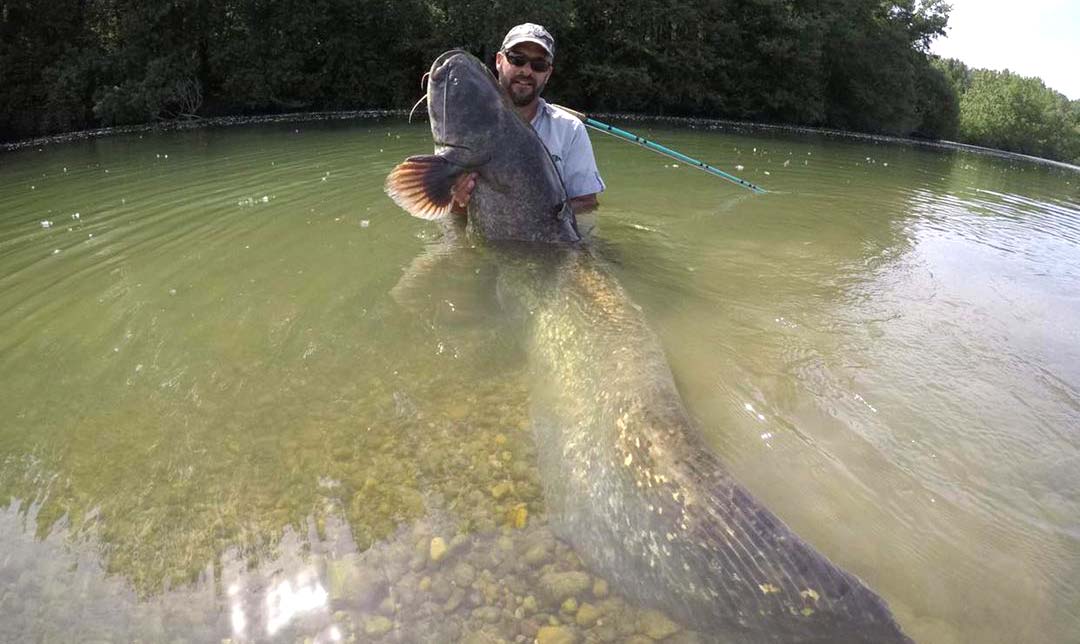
422, 99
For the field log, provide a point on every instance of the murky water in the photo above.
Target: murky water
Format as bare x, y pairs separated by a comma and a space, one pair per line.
229, 411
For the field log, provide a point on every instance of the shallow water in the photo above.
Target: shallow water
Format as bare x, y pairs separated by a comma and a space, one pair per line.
227, 414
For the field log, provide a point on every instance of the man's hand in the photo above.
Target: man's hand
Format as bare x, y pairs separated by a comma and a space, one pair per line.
462, 192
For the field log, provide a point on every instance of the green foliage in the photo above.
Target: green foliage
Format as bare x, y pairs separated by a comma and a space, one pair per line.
1011, 112
852, 64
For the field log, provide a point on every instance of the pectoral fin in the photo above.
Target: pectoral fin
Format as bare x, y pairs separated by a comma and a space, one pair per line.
423, 185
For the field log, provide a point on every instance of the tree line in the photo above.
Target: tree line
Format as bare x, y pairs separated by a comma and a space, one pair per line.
858, 65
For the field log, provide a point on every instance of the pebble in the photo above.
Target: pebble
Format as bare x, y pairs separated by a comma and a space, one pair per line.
600, 589
587, 615
502, 489
657, 625
537, 555
456, 597
529, 605
556, 635
560, 585
437, 549
376, 626
464, 574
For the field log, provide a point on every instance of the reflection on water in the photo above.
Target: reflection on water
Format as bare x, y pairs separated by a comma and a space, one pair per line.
227, 415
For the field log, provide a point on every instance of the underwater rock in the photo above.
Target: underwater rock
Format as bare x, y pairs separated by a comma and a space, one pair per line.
556, 635
561, 585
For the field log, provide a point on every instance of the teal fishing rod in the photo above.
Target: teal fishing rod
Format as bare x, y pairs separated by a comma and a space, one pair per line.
656, 147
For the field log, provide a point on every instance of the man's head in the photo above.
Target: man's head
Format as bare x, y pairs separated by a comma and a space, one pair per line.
525, 62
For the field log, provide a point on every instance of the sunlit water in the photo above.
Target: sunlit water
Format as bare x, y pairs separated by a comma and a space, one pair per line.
226, 415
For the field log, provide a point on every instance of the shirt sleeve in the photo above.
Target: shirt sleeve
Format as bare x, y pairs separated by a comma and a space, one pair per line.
579, 165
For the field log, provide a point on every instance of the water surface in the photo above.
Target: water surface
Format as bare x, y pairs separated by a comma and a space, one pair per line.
227, 415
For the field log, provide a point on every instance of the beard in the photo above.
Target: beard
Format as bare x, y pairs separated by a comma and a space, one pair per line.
522, 92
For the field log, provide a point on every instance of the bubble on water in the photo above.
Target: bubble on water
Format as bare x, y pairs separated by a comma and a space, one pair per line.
55, 251
767, 173
138, 367
33, 187
265, 199
90, 235
65, 169
364, 223
172, 291
886, 164
76, 216
380, 149
45, 223
740, 167
106, 172
166, 156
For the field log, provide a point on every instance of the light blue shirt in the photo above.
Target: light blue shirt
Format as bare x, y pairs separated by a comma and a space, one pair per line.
568, 142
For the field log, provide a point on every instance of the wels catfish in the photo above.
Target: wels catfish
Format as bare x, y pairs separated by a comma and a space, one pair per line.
519, 194
628, 477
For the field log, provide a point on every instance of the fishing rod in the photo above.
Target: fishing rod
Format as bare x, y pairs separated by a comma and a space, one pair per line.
656, 147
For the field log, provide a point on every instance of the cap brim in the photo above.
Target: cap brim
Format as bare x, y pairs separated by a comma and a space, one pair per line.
517, 41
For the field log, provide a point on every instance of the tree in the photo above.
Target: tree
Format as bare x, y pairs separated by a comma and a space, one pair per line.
1008, 111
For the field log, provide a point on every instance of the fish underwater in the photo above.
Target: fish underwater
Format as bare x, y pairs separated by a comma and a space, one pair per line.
628, 478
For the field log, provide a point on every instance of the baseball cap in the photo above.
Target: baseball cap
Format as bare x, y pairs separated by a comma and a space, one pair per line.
528, 32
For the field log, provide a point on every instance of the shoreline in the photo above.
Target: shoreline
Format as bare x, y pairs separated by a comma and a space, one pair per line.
685, 121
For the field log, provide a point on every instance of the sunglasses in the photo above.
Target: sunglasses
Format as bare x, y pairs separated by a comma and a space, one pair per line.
539, 65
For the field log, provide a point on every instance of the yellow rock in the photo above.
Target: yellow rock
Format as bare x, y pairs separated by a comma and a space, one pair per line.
518, 516
437, 550
556, 635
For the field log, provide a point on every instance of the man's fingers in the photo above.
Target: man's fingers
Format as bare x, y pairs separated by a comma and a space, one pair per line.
463, 188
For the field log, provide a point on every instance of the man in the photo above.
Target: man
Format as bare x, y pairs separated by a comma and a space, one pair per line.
525, 63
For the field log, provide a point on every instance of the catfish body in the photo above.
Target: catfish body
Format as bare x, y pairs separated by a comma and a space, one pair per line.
645, 502
519, 194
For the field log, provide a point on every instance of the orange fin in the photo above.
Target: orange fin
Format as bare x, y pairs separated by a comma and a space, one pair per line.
423, 185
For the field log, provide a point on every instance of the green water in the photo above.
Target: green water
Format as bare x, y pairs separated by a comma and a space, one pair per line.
221, 417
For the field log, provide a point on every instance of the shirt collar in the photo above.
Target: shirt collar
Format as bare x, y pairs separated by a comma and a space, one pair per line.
541, 112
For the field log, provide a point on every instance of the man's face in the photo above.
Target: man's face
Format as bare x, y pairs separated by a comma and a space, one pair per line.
522, 83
